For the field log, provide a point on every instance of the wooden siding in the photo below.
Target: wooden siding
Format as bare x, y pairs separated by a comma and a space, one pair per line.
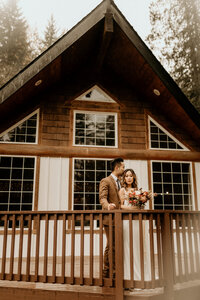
57, 120
55, 125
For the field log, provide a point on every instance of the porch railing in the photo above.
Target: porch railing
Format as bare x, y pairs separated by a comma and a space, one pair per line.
152, 248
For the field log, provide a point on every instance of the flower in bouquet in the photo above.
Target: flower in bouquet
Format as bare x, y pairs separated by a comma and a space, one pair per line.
139, 197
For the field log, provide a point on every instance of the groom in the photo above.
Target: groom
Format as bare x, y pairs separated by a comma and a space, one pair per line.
109, 199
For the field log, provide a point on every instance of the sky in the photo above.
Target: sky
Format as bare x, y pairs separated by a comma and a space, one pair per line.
68, 13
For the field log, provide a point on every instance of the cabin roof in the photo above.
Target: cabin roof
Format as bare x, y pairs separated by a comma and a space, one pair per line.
102, 49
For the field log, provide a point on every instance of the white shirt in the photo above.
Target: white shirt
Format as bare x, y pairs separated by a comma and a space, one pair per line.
115, 178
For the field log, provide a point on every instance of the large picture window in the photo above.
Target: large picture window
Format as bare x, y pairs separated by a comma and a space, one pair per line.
95, 129
172, 183
87, 175
16, 183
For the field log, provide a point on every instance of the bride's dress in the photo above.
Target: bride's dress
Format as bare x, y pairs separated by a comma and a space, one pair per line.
136, 248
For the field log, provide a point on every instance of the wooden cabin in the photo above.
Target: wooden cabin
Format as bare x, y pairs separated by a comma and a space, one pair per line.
96, 94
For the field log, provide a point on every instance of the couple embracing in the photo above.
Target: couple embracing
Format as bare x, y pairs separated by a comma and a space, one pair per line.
113, 194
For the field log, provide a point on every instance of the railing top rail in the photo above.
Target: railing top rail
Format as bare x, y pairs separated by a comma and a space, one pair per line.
71, 212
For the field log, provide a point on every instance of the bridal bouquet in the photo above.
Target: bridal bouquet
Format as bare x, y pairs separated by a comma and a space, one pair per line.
139, 197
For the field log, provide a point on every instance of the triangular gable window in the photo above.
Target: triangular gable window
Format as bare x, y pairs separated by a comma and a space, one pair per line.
160, 138
95, 94
24, 131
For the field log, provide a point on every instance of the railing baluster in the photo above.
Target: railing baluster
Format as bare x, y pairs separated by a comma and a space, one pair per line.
141, 250
46, 238
184, 247
110, 254
54, 248
63, 248
20, 246
37, 247
152, 251
172, 246
191, 253
72, 248
12, 250
118, 256
91, 250
82, 251
180, 269
167, 258
131, 250
100, 250
158, 235
28, 259
4, 247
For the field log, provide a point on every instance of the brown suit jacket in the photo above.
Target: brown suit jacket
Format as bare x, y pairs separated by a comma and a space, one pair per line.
108, 193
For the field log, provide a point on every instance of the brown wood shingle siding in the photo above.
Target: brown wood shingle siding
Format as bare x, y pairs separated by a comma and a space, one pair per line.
57, 121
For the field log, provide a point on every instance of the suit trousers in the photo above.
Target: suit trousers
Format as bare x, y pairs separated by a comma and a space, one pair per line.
108, 252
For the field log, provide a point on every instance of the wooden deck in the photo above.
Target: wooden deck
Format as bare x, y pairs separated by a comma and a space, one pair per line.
53, 254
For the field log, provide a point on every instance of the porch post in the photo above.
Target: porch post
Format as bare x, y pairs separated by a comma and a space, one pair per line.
118, 256
167, 258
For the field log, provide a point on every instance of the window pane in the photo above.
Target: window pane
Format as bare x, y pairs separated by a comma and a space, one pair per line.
166, 167
15, 198
176, 167
27, 198
157, 177
78, 186
156, 166
79, 175
5, 162
16, 185
90, 164
4, 173
79, 164
17, 162
4, 185
16, 174
110, 142
4, 197
90, 176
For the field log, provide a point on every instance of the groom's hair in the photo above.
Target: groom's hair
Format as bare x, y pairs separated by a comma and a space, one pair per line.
115, 162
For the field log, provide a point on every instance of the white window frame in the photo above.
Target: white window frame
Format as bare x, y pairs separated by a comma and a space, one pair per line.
191, 178
96, 113
20, 122
34, 177
167, 133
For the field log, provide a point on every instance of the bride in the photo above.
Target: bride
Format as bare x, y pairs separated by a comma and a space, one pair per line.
130, 183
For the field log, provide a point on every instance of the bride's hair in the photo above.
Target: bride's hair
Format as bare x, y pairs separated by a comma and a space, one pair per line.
134, 183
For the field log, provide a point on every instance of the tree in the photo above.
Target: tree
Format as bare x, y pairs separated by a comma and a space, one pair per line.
50, 34
175, 40
14, 47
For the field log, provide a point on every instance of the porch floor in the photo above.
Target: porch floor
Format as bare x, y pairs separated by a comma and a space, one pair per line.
14, 290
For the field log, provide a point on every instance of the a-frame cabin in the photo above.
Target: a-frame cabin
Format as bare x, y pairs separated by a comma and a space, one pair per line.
96, 94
